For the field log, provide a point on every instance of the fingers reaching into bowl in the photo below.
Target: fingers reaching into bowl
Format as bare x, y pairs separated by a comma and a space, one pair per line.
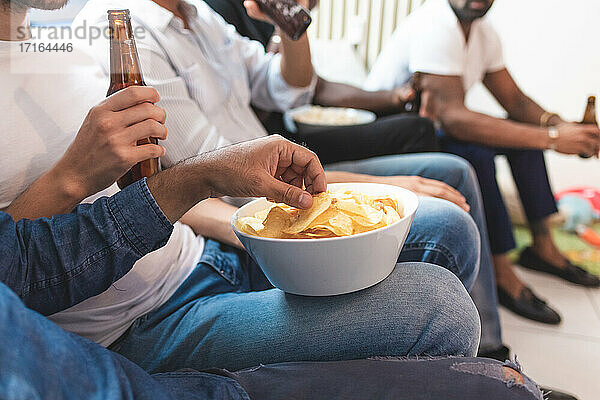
271, 167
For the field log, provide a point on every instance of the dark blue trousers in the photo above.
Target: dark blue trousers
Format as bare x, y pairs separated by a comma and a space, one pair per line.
530, 175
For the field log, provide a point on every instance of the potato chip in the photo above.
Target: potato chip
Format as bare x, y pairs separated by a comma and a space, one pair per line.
251, 225
277, 221
333, 221
336, 214
321, 202
362, 214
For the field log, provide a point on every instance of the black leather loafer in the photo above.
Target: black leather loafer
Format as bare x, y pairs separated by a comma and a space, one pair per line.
572, 273
530, 306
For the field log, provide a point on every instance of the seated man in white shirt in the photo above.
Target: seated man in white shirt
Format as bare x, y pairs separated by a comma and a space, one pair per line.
199, 303
209, 77
455, 46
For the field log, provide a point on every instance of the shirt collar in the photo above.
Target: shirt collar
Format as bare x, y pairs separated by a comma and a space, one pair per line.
155, 16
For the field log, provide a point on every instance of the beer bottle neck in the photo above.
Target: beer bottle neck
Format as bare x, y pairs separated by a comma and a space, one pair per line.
124, 62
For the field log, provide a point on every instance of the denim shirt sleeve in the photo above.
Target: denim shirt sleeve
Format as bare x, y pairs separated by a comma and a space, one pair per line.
55, 263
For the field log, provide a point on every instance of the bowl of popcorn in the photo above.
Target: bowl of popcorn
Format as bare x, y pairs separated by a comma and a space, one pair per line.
311, 118
348, 240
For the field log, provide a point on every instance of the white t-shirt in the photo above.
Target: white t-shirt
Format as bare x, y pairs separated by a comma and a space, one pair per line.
45, 98
431, 40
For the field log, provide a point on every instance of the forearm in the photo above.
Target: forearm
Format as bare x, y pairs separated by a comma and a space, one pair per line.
177, 189
333, 94
475, 127
296, 64
344, 177
528, 111
50, 194
53, 264
211, 218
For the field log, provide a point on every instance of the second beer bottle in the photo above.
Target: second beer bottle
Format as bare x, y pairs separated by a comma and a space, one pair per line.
589, 117
125, 71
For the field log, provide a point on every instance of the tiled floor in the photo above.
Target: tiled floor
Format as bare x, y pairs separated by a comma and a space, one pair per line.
566, 357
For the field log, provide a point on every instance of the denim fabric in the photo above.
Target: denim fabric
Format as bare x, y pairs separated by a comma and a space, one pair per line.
458, 378
53, 264
459, 174
223, 317
529, 172
39, 360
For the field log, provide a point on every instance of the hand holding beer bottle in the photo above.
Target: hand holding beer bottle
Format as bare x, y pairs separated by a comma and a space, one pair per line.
125, 71
105, 146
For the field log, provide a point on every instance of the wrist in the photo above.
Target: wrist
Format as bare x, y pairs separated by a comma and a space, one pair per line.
68, 185
394, 99
553, 136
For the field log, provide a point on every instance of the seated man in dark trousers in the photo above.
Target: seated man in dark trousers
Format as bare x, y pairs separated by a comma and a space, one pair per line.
455, 46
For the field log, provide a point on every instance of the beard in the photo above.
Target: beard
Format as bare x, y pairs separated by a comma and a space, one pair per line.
465, 13
37, 4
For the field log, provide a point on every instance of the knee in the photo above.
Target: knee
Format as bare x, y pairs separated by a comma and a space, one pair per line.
459, 239
454, 320
422, 137
458, 172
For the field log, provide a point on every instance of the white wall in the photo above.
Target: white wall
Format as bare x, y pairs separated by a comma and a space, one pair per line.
552, 48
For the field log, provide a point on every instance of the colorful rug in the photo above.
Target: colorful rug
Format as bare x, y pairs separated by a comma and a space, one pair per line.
579, 252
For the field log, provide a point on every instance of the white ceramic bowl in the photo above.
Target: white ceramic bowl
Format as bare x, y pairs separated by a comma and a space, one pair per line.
325, 267
290, 122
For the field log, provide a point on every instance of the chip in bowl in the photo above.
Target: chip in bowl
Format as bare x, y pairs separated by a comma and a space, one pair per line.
333, 214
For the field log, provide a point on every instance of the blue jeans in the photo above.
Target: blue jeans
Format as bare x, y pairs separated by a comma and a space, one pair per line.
40, 360
226, 314
457, 173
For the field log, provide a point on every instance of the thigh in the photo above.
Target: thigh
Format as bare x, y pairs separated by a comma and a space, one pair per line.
40, 360
389, 378
389, 135
440, 166
419, 309
456, 247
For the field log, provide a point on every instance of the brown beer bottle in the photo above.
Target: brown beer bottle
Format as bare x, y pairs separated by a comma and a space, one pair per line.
413, 106
589, 116
288, 15
125, 71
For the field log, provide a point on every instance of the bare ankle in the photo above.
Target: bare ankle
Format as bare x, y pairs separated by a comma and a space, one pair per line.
506, 277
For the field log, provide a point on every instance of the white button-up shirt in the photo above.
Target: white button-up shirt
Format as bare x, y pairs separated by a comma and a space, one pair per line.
208, 75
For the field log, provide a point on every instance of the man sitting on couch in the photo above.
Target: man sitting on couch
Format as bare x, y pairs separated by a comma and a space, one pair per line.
193, 303
56, 263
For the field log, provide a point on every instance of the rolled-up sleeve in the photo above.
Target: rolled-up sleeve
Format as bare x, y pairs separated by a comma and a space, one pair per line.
269, 91
55, 263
